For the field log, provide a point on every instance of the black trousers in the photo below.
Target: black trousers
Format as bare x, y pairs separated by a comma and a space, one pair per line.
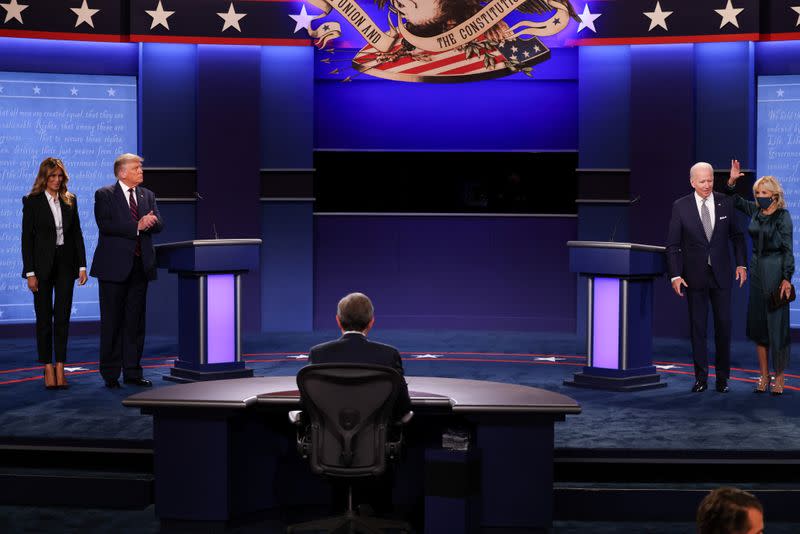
122, 324
53, 306
720, 300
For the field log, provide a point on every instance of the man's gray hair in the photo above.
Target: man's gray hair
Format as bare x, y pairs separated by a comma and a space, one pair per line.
355, 312
698, 166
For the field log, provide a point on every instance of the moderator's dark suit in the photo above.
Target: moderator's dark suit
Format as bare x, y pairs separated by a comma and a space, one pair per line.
356, 348
688, 253
123, 278
56, 269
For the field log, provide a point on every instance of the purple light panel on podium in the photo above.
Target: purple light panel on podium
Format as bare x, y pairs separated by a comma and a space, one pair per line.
221, 316
605, 323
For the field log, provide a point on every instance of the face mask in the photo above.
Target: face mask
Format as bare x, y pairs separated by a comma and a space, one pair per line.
764, 202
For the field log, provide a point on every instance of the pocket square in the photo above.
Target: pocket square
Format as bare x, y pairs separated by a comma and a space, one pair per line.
723, 217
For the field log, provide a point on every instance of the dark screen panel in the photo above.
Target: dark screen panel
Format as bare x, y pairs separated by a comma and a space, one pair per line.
445, 182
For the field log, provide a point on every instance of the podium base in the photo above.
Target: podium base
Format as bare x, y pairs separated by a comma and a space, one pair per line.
624, 382
192, 375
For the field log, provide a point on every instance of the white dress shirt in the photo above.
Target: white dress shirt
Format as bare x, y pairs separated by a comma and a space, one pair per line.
55, 207
710, 204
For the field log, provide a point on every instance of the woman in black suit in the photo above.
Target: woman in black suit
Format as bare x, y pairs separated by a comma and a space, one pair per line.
53, 256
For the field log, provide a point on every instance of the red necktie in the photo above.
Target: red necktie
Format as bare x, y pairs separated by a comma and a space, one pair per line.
135, 215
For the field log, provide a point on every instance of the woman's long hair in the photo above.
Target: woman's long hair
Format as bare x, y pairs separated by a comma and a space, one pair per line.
45, 169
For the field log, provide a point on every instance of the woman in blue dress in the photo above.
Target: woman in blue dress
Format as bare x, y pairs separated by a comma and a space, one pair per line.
771, 269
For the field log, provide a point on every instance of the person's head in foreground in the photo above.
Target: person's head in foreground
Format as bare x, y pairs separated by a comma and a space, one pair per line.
355, 313
730, 511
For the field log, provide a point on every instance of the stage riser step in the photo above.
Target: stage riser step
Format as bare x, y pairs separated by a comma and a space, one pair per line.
605, 504
677, 473
76, 490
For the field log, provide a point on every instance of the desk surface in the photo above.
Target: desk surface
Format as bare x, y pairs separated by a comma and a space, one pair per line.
463, 396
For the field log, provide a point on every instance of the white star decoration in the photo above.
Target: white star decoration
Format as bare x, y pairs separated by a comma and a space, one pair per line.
550, 359
796, 9
37, 90
780, 93
111, 92
13, 10
427, 356
232, 18
85, 14
657, 17
587, 19
729, 15
74, 310
302, 21
73, 91
666, 367
1, 89
159, 16
73, 369
299, 357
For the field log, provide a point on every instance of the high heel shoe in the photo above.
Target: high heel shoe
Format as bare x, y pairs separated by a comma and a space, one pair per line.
61, 379
763, 383
49, 377
777, 385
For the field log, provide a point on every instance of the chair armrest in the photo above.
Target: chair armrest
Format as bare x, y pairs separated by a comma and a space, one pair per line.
296, 417
406, 418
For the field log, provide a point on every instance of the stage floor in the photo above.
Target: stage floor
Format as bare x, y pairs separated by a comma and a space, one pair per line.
669, 419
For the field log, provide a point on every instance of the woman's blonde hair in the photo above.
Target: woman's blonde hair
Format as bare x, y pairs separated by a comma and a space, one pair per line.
46, 169
770, 183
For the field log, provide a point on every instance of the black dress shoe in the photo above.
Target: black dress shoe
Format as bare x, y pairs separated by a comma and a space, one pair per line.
699, 387
112, 384
145, 383
722, 387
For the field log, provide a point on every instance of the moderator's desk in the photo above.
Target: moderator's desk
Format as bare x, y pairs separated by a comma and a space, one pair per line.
225, 449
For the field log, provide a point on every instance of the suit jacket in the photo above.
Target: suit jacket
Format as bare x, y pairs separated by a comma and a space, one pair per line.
356, 348
39, 236
116, 244
688, 249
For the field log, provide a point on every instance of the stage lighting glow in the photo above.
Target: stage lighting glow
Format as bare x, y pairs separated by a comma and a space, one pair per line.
221, 315
605, 323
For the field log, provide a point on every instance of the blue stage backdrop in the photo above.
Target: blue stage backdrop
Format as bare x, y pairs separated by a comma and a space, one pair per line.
84, 120
779, 149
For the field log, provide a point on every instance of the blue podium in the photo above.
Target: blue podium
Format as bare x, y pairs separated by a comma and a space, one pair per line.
619, 331
209, 312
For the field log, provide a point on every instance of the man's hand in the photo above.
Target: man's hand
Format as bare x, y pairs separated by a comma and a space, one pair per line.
82, 278
741, 275
33, 283
147, 222
676, 286
736, 172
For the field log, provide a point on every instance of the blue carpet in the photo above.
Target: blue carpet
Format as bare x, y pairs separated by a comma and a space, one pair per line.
667, 418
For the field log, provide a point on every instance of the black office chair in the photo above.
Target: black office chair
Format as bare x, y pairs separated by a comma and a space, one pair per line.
346, 430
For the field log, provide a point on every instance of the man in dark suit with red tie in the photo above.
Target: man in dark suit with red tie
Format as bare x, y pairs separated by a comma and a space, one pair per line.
702, 227
124, 262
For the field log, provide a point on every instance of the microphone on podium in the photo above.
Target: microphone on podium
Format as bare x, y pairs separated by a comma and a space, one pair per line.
619, 218
198, 196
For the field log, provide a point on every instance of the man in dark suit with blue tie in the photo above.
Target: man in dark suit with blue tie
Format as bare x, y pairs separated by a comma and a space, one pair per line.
702, 226
124, 262
355, 316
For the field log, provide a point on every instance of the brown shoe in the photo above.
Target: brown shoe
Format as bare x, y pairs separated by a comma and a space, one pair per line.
61, 379
49, 376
